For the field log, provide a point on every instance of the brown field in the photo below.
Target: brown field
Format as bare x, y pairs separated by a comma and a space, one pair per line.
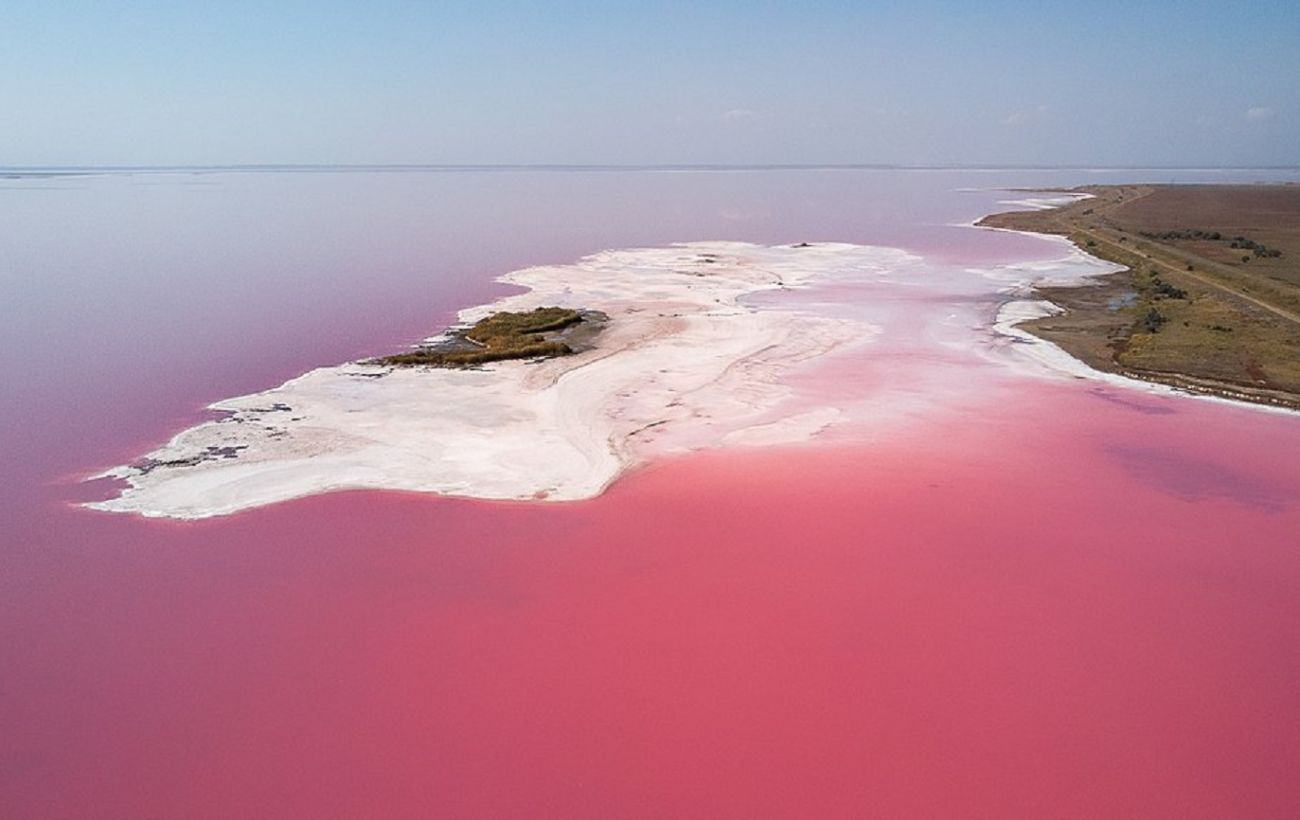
1211, 298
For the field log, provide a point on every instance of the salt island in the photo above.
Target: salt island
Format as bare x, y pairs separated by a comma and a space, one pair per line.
549, 394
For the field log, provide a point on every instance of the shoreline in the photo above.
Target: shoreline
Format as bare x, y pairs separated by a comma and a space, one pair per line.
1068, 302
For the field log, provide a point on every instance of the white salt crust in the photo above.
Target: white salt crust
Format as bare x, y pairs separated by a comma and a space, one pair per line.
681, 363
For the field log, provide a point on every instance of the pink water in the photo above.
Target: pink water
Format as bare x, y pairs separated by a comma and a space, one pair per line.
1080, 601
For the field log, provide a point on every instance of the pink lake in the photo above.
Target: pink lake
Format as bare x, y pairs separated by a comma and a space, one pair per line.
1028, 597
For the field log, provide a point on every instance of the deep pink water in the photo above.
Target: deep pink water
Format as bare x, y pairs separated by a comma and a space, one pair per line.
1077, 602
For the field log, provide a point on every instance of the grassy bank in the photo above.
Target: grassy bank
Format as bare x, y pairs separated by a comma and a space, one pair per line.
1209, 300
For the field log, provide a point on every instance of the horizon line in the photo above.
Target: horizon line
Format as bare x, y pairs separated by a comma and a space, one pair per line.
269, 167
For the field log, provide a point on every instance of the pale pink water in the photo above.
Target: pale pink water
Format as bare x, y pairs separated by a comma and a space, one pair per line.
1065, 601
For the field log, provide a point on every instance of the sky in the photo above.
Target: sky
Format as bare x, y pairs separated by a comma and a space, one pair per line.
1156, 83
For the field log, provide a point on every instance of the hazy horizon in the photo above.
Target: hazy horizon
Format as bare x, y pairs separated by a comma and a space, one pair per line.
275, 167
1164, 85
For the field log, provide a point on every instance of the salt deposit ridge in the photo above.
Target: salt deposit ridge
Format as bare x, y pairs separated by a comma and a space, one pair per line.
691, 357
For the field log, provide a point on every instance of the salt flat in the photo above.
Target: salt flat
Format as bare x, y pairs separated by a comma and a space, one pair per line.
682, 363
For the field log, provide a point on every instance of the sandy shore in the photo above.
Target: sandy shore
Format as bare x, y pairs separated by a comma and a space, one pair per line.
682, 363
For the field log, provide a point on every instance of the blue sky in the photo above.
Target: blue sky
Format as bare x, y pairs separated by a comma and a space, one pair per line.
1156, 83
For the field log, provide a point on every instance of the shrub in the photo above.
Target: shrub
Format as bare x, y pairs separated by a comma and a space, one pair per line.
1152, 322
1163, 288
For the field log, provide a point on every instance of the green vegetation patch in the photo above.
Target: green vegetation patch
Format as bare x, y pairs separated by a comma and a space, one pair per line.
501, 336
1236, 242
